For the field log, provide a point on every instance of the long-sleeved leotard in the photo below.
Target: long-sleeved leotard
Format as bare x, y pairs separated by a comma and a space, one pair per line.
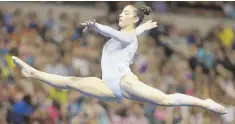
117, 56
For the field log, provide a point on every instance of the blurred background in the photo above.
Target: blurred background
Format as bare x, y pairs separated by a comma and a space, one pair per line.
192, 52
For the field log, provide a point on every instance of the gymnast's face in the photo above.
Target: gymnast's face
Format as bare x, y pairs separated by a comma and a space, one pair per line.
128, 16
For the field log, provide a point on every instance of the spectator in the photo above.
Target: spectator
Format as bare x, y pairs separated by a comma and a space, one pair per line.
22, 110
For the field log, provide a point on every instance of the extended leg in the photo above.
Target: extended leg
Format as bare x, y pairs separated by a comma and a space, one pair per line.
133, 89
90, 86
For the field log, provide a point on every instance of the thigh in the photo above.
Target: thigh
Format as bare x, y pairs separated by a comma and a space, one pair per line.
92, 86
134, 89
126, 84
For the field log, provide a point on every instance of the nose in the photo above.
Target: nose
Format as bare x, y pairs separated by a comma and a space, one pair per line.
120, 15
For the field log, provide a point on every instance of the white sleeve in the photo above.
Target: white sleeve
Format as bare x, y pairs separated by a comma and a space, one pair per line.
117, 35
139, 30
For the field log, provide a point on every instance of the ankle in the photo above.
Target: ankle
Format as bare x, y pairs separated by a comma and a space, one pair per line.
34, 73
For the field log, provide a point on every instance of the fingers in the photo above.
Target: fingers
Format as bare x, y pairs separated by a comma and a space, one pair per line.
154, 23
92, 22
88, 24
84, 29
149, 21
84, 24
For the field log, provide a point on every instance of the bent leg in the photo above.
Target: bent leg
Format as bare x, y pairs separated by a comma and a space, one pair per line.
90, 86
133, 89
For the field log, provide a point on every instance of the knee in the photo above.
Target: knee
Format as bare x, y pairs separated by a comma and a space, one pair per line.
171, 99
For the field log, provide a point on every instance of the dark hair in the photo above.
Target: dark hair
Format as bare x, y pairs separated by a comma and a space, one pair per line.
141, 11
27, 99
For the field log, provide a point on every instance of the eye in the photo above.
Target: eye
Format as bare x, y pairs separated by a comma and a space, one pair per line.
127, 13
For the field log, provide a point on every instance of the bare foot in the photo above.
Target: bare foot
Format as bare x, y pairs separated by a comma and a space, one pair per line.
215, 107
26, 70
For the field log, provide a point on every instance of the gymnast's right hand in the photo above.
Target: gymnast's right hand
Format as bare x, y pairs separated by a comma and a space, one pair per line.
88, 24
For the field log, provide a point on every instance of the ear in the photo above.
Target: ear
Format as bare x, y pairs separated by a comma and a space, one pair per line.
136, 19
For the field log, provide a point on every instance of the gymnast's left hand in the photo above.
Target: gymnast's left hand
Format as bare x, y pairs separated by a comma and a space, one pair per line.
88, 24
149, 25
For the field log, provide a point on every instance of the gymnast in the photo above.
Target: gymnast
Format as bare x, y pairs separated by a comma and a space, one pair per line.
118, 81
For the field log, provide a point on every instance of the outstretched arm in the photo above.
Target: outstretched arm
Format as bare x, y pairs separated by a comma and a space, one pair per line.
145, 27
110, 32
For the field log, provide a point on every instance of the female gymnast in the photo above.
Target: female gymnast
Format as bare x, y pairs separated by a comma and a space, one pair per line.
118, 81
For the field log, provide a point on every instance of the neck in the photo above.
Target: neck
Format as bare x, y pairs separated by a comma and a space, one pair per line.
130, 28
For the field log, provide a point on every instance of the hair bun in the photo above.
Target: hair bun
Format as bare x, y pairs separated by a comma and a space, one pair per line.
146, 9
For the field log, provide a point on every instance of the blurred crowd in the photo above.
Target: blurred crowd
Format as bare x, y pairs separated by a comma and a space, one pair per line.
169, 59
223, 9
202, 8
